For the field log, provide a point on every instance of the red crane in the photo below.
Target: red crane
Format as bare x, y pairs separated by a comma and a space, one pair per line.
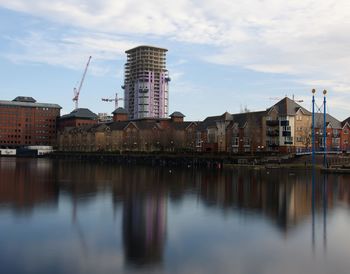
116, 99
77, 90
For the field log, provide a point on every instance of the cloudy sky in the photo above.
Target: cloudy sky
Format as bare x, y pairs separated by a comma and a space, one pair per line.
223, 55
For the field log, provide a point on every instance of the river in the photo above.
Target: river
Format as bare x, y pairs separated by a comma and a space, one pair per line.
61, 216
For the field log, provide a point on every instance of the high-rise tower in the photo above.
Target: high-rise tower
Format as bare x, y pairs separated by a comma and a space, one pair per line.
146, 83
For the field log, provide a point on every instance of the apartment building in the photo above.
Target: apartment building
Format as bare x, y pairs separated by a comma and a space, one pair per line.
146, 93
284, 127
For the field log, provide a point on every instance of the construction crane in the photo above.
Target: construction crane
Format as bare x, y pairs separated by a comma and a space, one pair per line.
279, 98
76, 91
116, 99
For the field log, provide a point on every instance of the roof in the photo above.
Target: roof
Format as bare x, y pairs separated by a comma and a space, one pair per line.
177, 114
288, 107
247, 117
145, 124
120, 110
82, 113
23, 101
329, 120
142, 125
181, 126
211, 120
347, 120
144, 46
118, 125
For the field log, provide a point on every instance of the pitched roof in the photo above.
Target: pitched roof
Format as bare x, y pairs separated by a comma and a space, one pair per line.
118, 125
120, 110
181, 126
288, 107
82, 113
347, 120
146, 124
177, 114
211, 120
329, 120
248, 117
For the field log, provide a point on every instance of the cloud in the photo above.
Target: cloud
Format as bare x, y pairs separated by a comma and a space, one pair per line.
268, 35
307, 39
69, 50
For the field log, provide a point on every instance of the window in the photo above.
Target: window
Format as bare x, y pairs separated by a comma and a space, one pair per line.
246, 141
289, 139
235, 141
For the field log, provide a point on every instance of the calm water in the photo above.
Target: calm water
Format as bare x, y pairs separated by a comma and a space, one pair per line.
70, 217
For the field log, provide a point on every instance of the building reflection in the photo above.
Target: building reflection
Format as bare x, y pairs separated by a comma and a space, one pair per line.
141, 192
144, 197
26, 183
144, 227
284, 198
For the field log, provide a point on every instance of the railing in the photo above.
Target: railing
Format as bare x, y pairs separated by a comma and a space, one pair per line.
286, 133
309, 151
272, 145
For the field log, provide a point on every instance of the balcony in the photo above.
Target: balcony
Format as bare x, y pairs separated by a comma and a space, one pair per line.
272, 144
285, 123
272, 133
272, 123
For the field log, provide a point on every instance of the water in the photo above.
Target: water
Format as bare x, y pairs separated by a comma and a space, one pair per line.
71, 217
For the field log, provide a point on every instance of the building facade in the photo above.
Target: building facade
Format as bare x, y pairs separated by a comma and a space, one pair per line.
284, 127
131, 135
25, 122
78, 117
146, 93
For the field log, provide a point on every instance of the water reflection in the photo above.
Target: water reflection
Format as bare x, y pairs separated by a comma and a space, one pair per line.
144, 223
132, 210
24, 185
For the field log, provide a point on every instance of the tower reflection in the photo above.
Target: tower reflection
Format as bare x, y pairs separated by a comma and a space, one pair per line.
144, 221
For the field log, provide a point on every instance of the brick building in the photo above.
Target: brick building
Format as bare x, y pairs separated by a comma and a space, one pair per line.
23, 122
148, 134
78, 117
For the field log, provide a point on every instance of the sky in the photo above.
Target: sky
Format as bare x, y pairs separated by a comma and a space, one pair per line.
223, 55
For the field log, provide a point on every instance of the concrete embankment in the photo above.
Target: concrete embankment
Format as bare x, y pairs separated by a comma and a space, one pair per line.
203, 160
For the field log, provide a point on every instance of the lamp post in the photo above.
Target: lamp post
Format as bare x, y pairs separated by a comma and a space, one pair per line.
324, 131
313, 127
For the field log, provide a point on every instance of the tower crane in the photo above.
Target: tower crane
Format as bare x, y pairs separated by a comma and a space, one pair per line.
279, 98
77, 90
116, 99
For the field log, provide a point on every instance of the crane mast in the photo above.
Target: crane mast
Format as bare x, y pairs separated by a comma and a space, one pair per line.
77, 90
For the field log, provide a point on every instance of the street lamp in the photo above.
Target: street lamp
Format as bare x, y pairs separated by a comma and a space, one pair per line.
313, 126
324, 130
